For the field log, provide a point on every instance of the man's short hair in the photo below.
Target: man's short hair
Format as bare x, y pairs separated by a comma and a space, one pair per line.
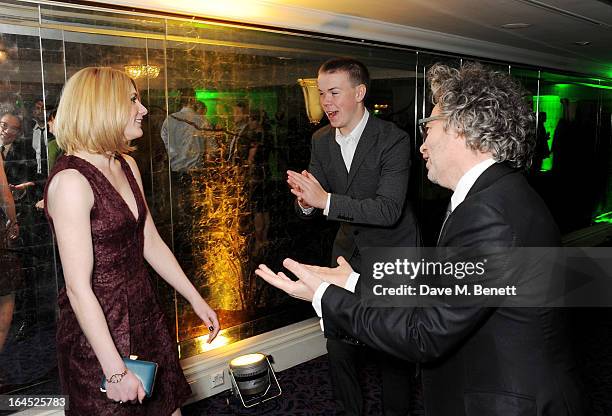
357, 72
51, 114
244, 108
488, 108
201, 105
187, 96
93, 111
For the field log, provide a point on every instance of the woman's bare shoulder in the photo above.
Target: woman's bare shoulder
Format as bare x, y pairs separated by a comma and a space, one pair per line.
69, 189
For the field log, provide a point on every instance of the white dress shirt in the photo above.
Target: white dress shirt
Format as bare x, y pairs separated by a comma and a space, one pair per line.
37, 138
467, 181
348, 143
349, 285
463, 187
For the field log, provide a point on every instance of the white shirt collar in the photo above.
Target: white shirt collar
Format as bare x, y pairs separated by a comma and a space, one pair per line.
467, 181
355, 134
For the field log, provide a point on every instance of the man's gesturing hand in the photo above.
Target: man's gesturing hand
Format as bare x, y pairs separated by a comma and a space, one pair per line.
334, 275
303, 288
307, 188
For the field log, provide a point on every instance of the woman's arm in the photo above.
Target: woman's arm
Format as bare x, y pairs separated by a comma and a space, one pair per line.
70, 200
7, 203
160, 257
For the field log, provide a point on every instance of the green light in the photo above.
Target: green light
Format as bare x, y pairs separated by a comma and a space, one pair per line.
563, 90
551, 105
219, 103
561, 86
204, 95
572, 79
603, 87
604, 218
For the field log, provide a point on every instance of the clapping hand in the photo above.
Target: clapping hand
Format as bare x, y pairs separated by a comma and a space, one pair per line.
307, 189
295, 187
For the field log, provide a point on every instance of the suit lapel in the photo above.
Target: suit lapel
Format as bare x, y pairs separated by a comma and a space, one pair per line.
13, 153
336, 159
366, 141
491, 175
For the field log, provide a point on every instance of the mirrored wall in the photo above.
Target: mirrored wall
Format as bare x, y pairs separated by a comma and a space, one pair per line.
222, 204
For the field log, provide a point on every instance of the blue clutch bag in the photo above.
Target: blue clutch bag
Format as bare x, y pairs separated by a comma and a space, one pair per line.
145, 371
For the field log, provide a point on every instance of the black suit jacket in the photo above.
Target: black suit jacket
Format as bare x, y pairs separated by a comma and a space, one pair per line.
20, 167
370, 200
20, 162
478, 361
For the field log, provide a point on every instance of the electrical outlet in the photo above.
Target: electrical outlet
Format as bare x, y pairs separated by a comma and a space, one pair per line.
217, 379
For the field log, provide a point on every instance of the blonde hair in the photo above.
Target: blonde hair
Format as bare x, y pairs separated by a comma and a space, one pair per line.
93, 112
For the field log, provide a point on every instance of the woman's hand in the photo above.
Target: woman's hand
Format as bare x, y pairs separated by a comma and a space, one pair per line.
128, 389
208, 316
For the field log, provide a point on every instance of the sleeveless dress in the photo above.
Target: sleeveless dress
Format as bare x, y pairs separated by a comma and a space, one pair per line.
121, 284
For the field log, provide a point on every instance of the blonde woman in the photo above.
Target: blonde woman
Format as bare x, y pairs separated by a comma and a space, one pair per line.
105, 233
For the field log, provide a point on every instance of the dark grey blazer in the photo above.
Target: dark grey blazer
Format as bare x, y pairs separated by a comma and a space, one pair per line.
478, 361
370, 200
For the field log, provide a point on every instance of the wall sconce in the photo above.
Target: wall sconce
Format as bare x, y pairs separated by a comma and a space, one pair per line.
142, 71
311, 99
3, 53
251, 380
379, 108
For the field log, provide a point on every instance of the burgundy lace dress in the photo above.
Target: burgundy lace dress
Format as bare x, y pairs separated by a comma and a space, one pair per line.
121, 283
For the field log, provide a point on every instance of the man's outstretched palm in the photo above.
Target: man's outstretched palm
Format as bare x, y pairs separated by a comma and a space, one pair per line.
310, 277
